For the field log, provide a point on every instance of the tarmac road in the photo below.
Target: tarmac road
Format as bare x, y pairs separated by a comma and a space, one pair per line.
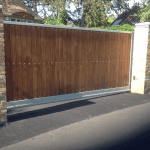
114, 122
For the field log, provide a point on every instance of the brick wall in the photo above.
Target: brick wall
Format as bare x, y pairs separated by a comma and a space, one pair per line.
3, 103
140, 81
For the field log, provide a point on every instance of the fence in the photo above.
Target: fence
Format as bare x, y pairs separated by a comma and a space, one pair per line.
45, 60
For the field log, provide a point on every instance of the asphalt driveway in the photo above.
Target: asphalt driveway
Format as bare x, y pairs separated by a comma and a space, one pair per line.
28, 122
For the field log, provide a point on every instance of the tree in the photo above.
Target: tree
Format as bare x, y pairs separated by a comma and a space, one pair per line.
94, 10
144, 13
94, 13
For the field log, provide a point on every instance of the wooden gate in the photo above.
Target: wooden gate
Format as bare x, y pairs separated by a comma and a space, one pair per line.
44, 60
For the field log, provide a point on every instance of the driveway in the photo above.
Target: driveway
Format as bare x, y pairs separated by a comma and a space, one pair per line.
33, 122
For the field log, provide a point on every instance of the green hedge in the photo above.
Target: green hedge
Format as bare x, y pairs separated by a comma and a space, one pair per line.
125, 27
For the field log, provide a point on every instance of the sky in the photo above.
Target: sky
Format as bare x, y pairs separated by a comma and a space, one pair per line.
131, 3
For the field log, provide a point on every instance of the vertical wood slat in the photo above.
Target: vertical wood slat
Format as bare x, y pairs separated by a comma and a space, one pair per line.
19, 61
87, 70
89, 75
126, 40
128, 56
97, 48
61, 90
8, 63
24, 63
80, 60
56, 54
39, 69
120, 60
108, 60
68, 62
93, 61
76, 61
14, 61
123, 63
119, 53
29, 62
65, 59
52, 45
34, 61
78, 73
47, 60
102, 61
117, 61
43, 62
114, 58
72, 61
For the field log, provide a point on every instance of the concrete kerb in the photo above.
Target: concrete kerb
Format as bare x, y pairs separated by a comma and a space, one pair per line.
66, 97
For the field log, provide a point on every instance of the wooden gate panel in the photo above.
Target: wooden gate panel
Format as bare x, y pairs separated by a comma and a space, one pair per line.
51, 61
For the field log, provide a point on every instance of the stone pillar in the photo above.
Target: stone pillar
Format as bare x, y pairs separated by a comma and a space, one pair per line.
3, 102
140, 79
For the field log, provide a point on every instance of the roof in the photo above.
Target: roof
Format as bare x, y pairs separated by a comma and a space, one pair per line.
122, 17
13, 6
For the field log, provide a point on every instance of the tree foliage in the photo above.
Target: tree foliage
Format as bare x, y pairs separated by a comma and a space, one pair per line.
94, 10
144, 13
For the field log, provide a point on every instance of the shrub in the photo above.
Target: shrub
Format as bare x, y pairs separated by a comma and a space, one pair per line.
125, 27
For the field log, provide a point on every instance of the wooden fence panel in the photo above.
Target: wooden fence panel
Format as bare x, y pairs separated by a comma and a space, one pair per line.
53, 61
